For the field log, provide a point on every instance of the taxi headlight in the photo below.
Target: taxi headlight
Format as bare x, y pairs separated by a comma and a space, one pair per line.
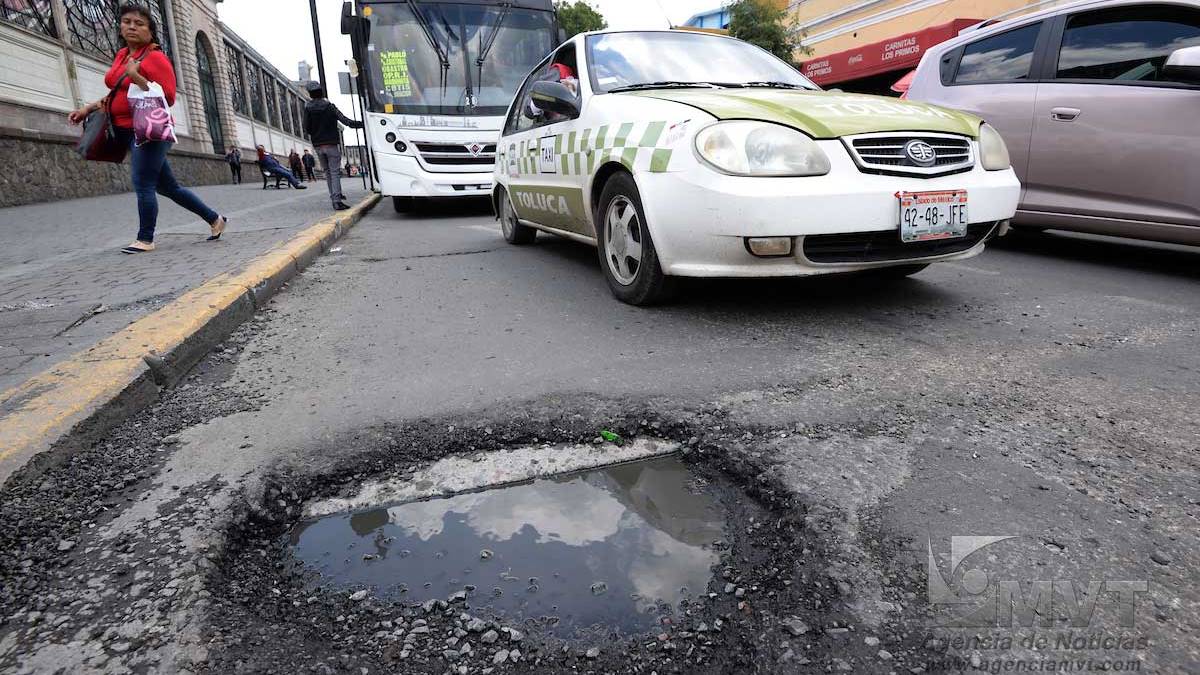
993, 153
744, 148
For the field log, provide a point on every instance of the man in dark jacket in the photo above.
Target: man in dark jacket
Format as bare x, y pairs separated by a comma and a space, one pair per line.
234, 157
295, 165
321, 122
309, 162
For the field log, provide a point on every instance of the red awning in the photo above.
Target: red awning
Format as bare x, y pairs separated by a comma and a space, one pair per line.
902, 51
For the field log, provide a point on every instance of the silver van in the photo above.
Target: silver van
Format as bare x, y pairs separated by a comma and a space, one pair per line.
1099, 102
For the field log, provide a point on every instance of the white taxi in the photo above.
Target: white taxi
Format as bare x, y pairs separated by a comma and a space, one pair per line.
683, 154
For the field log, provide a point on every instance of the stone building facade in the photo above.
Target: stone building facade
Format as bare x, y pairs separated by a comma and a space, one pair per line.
53, 56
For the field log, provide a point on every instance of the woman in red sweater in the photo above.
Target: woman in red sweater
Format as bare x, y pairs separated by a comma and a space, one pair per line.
142, 62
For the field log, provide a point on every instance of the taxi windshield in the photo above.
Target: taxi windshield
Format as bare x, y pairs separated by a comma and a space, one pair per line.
445, 58
621, 60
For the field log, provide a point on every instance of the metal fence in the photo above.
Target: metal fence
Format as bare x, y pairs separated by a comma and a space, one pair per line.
233, 62
256, 95
297, 116
34, 15
272, 101
95, 27
285, 109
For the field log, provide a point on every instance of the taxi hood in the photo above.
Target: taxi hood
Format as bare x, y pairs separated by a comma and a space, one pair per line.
821, 114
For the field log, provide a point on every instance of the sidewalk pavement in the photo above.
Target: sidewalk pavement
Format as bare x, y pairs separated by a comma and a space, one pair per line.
65, 285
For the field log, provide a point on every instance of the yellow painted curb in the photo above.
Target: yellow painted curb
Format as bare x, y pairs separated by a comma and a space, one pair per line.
80, 398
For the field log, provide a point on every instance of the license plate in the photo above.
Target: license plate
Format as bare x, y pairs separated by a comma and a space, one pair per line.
926, 216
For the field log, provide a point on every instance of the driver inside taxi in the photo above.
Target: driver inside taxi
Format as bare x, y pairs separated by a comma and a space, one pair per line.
557, 72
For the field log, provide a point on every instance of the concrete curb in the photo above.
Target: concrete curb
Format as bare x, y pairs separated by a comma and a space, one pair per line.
78, 400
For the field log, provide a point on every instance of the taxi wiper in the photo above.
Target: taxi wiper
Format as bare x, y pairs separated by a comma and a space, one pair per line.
666, 84
775, 85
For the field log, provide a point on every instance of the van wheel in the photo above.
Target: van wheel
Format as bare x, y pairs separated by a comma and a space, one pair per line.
514, 232
627, 254
403, 204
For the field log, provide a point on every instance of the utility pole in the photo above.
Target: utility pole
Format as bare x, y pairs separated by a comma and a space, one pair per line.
355, 105
312, 8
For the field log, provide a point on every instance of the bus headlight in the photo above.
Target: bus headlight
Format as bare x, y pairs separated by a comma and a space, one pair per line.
390, 137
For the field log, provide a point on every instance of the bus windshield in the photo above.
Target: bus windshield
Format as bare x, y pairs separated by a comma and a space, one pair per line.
410, 75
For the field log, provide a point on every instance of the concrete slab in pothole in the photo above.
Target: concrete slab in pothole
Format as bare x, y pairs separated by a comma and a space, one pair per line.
464, 473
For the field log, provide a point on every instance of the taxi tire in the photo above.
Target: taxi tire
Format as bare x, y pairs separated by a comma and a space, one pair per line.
514, 232
650, 286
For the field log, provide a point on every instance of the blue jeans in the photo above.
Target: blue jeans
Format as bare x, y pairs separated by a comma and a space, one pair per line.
277, 168
152, 177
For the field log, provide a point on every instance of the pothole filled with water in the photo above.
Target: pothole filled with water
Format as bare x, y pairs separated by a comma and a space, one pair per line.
617, 548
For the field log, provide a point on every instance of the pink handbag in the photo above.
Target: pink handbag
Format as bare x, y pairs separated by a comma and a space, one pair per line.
151, 114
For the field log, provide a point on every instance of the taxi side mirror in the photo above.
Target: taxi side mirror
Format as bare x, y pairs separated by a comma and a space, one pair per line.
555, 97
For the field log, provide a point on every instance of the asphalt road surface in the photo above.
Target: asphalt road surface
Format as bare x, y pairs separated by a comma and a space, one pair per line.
894, 431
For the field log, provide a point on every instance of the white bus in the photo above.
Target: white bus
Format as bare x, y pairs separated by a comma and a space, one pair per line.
438, 76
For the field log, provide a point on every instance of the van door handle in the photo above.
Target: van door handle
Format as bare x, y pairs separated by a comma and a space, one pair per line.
1064, 114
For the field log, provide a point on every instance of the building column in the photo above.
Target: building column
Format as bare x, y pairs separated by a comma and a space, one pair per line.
186, 75
58, 12
169, 19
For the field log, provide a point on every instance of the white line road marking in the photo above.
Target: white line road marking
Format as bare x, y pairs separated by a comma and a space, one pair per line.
490, 229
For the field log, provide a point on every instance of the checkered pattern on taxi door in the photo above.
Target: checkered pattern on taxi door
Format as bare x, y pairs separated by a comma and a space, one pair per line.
641, 146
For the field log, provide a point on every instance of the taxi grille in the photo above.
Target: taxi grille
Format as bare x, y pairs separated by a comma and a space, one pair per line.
885, 245
884, 153
446, 154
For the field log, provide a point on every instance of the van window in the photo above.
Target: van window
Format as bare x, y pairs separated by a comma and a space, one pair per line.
1000, 58
1126, 43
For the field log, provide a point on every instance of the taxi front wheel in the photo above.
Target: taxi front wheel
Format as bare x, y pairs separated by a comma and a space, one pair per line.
627, 254
514, 231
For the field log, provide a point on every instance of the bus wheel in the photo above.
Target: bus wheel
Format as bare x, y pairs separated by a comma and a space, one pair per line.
403, 204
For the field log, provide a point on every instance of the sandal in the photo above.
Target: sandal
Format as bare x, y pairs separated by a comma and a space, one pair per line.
217, 228
139, 246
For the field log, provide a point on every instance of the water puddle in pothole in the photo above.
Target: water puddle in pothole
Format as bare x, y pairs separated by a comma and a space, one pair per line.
616, 547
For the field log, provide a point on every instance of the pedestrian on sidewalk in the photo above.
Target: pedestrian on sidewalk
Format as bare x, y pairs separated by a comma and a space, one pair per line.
234, 157
295, 164
321, 122
141, 62
309, 162
267, 161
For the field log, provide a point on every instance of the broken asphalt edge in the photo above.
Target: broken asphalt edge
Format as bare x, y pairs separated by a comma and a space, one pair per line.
76, 401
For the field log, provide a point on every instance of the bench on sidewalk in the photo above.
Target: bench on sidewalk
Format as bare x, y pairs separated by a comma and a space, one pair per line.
267, 174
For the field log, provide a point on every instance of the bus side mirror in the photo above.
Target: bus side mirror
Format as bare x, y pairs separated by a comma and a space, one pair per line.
351, 24
555, 97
